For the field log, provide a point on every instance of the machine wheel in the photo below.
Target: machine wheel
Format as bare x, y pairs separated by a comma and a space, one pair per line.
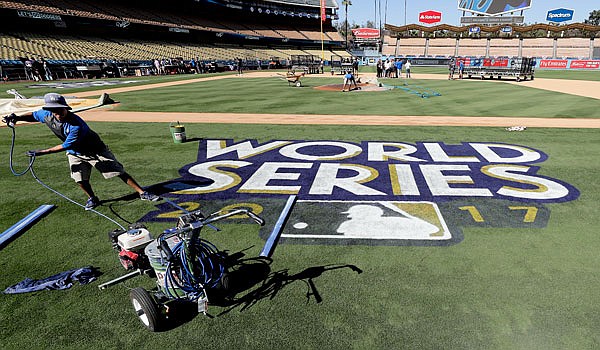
145, 308
298, 84
224, 282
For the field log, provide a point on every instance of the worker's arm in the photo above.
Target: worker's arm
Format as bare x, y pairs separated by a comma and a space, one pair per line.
73, 138
40, 152
26, 117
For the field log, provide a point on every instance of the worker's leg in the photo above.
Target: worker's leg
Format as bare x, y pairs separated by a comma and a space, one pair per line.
130, 181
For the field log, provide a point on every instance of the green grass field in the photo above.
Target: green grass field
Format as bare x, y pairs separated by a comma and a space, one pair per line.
502, 287
461, 98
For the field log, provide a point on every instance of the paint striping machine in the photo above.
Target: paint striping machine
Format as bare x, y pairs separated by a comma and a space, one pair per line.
185, 265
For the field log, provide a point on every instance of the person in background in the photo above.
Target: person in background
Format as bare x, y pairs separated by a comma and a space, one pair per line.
407, 66
240, 66
387, 68
355, 66
398, 66
451, 68
349, 80
379, 68
47, 72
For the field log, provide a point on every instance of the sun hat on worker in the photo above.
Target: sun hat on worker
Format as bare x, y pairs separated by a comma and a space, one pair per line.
53, 100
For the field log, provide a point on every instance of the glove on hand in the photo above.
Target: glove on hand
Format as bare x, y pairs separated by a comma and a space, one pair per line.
10, 119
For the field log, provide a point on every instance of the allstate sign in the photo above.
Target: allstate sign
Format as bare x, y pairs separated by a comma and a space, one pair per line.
560, 15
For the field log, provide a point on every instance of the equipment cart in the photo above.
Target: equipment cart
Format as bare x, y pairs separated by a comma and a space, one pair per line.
520, 68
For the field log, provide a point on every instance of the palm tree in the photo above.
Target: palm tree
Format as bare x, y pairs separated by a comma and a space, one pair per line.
346, 3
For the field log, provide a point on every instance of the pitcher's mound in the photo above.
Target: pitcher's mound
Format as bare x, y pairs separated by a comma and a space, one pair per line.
361, 87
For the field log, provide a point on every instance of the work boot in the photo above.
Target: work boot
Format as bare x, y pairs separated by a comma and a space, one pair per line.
92, 203
147, 196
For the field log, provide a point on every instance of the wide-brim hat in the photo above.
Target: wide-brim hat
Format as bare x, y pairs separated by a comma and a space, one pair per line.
53, 100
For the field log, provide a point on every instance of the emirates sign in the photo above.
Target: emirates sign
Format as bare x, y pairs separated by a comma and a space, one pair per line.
430, 17
366, 33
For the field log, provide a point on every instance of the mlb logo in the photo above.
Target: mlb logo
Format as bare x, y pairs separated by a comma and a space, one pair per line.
367, 222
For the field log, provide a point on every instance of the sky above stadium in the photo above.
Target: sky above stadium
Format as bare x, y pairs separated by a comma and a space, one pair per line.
362, 11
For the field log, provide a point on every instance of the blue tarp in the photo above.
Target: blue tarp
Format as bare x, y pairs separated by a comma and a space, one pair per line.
63, 280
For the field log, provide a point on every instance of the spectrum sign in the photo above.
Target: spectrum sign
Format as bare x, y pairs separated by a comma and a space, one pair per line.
430, 17
560, 15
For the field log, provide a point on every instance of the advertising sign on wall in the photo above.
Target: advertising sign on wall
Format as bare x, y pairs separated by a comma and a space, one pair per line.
495, 62
556, 64
569, 64
430, 17
493, 7
585, 64
559, 15
474, 30
492, 20
366, 33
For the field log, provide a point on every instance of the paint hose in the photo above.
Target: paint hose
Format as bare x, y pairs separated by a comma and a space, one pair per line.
29, 168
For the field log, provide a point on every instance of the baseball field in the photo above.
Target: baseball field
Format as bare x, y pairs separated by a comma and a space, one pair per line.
511, 260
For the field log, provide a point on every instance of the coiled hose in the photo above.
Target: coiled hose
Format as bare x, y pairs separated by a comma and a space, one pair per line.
195, 267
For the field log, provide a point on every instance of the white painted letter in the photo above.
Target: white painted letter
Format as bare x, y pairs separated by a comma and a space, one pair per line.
222, 180
439, 183
259, 181
403, 180
326, 180
486, 150
377, 152
542, 188
292, 151
439, 155
244, 149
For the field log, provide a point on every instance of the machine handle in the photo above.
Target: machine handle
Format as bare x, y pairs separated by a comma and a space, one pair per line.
256, 218
164, 246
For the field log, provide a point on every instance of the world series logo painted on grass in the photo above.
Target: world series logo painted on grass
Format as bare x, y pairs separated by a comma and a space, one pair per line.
373, 192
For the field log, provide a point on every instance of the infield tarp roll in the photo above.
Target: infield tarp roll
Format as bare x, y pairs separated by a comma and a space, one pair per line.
22, 106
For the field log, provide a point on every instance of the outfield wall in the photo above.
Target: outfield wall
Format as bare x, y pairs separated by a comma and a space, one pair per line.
558, 64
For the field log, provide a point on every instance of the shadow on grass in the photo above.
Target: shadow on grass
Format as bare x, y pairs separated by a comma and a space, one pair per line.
159, 189
248, 282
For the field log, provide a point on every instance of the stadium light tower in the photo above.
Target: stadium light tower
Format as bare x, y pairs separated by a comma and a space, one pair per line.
346, 3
